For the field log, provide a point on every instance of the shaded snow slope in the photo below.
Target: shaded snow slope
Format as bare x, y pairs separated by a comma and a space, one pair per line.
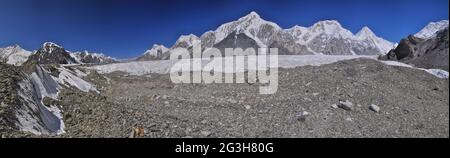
34, 116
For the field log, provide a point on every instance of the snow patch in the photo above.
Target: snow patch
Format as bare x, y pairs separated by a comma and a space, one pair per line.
34, 116
435, 72
438, 73
69, 78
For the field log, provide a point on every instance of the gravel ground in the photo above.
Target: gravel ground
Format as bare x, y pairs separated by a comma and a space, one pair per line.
412, 103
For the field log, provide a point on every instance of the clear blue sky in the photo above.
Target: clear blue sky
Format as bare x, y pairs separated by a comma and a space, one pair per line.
126, 28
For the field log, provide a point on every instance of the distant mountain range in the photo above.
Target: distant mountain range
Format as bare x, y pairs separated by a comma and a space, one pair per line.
51, 53
251, 31
325, 37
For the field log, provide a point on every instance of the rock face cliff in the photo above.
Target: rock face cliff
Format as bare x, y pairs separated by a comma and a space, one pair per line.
51, 53
432, 53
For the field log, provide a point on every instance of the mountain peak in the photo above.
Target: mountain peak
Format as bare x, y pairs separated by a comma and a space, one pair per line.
365, 32
49, 47
14, 47
297, 31
330, 27
185, 41
327, 26
50, 44
252, 14
155, 49
251, 18
296, 27
14, 54
328, 23
431, 29
190, 35
157, 45
188, 38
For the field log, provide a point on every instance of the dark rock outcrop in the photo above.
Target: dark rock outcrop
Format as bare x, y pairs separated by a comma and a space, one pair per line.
93, 58
432, 53
50, 53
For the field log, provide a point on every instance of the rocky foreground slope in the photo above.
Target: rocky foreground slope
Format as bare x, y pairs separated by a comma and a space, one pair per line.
377, 101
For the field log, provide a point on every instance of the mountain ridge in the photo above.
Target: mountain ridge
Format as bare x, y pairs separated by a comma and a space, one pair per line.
326, 37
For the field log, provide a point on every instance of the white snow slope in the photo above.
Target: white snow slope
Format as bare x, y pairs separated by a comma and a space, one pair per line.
14, 55
284, 61
37, 118
431, 29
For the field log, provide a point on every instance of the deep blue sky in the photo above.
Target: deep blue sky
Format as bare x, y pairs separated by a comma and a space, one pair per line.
126, 28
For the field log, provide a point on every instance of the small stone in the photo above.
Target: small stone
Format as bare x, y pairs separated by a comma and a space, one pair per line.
131, 134
3, 105
436, 88
204, 122
315, 94
302, 115
309, 83
247, 107
359, 105
307, 99
349, 119
346, 105
205, 133
232, 101
334, 106
374, 108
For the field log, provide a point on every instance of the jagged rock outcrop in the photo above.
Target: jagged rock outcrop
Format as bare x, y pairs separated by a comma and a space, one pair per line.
51, 53
86, 57
432, 53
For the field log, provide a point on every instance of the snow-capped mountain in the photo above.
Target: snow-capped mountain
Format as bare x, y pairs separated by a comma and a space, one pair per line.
157, 52
329, 37
431, 29
253, 31
324, 37
252, 25
185, 41
51, 53
85, 57
368, 36
14, 55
